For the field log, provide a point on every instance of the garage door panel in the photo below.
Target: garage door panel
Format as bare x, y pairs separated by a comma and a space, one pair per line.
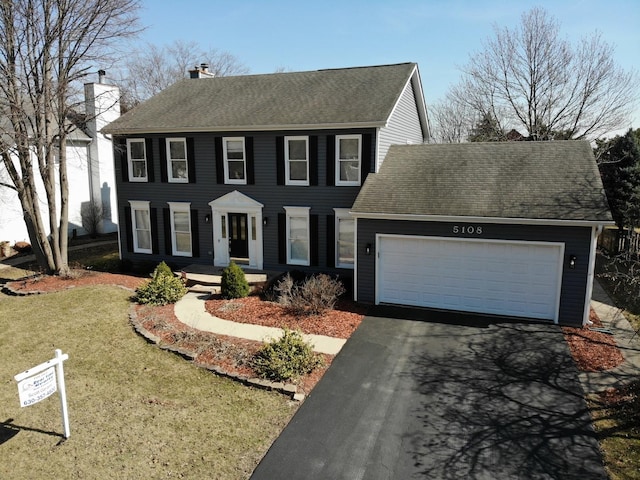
516, 279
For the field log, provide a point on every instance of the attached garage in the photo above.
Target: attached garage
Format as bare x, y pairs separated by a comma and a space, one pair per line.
520, 279
506, 229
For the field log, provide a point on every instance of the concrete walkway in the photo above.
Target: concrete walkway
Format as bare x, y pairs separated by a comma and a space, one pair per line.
627, 340
191, 311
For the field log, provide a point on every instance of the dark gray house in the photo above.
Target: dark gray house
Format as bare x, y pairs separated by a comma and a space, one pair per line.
285, 171
500, 228
261, 169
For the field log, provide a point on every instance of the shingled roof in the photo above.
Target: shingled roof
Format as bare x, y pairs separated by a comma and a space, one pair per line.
350, 97
556, 180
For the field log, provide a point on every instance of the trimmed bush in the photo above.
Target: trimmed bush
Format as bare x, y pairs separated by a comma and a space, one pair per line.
314, 296
163, 288
234, 283
286, 358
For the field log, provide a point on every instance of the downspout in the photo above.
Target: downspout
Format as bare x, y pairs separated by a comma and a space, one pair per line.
595, 233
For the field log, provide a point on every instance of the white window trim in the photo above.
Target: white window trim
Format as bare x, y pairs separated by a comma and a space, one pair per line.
183, 207
234, 181
130, 160
140, 205
341, 214
170, 176
287, 171
298, 212
353, 183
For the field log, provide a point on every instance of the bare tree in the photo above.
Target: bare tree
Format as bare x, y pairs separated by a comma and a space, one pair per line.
530, 78
452, 120
48, 47
154, 68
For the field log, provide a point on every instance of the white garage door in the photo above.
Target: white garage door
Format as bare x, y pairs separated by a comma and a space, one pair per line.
505, 278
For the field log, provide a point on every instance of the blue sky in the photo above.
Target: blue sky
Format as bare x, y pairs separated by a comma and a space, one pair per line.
439, 35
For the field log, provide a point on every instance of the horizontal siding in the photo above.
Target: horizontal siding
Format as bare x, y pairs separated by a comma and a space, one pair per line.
403, 126
576, 240
321, 198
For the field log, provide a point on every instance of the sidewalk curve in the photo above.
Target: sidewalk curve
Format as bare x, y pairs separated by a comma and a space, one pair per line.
191, 311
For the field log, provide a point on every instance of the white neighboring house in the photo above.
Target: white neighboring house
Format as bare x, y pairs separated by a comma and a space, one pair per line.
90, 170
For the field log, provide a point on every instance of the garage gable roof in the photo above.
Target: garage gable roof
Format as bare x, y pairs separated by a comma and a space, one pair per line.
556, 180
351, 97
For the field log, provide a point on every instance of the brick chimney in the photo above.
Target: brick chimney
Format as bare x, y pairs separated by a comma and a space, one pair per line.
201, 71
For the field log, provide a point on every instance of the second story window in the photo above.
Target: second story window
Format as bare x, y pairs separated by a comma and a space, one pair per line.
235, 167
177, 160
137, 160
296, 160
348, 159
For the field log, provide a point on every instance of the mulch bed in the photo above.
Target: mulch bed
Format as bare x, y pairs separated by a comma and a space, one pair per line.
592, 350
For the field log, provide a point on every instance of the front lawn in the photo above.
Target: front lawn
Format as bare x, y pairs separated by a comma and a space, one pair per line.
135, 411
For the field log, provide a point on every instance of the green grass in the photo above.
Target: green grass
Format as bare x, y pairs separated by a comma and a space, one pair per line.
135, 411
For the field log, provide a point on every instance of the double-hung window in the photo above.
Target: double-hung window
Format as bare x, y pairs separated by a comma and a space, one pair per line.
345, 238
235, 165
137, 156
180, 228
348, 159
296, 154
141, 226
298, 235
177, 160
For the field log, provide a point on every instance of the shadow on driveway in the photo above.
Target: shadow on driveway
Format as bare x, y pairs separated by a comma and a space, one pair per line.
407, 398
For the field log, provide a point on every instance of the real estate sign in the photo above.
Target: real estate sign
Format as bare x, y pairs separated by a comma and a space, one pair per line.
38, 387
41, 382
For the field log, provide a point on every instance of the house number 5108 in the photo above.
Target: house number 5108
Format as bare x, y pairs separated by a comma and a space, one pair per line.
468, 229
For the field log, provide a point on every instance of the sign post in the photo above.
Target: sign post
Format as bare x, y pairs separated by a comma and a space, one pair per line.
42, 381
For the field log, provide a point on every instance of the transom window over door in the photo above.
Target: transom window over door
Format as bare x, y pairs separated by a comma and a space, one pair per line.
181, 228
348, 159
177, 159
297, 160
235, 167
137, 156
297, 235
141, 226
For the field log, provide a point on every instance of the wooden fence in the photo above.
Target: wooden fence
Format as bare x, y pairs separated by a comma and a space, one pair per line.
614, 241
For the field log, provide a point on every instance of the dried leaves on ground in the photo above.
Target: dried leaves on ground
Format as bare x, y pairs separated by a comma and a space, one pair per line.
592, 349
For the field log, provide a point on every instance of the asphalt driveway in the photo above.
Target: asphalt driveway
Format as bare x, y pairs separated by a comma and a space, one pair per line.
457, 396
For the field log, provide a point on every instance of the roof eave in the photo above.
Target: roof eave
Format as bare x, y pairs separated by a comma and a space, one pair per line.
240, 128
476, 219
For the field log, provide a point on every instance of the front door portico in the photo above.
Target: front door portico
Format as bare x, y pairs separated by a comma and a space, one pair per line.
237, 230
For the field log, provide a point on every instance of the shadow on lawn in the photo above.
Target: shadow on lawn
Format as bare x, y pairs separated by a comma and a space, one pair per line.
8, 430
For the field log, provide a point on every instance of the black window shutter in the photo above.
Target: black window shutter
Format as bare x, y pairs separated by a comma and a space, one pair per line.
248, 146
191, 160
166, 219
128, 228
365, 165
163, 161
120, 153
282, 238
149, 152
331, 159
154, 231
313, 240
331, 241
280, 160
313, 160
219, 160
195, 237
